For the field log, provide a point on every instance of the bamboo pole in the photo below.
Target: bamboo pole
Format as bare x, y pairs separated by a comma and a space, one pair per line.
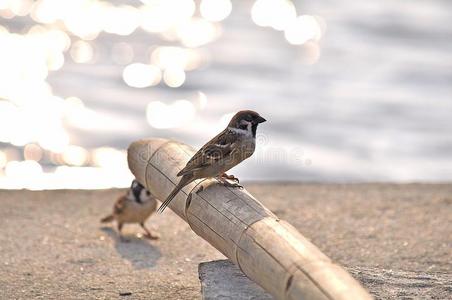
268, 250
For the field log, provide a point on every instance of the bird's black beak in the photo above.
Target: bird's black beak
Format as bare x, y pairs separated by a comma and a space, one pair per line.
259, 119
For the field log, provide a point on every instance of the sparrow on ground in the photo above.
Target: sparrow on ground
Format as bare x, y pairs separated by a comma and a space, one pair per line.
134, 207
229, 148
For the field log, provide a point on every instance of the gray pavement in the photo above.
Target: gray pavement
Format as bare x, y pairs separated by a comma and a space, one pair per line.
395, 239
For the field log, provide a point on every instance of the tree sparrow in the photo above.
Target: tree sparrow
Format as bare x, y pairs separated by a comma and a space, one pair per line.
134, 207
233, 145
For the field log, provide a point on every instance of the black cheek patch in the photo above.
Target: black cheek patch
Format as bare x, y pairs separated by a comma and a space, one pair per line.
136, 192
254, 129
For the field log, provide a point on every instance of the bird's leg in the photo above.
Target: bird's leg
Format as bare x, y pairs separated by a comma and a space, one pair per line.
224, 181
121, 237
148, 234
230, 177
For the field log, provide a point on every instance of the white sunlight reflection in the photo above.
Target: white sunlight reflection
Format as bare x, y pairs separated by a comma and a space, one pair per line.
176, 114
141, 75
20, 174
23, 169
54, 139
197, 32
20, 7
15, 7
8, 113
33, 152
281, 15
176, 57
162, 15
36, 125
110, 158
82, 52
121, 20
215, 10
75, 155
78, 116
273, 13
174, 77
34, 121
89, 177
303, 29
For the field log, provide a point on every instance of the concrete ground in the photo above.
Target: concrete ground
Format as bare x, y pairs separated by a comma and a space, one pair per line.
395, 239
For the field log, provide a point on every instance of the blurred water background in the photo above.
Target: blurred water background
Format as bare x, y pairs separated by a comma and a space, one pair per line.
352, 90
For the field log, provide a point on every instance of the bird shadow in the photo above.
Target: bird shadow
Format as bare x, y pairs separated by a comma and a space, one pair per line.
138, 251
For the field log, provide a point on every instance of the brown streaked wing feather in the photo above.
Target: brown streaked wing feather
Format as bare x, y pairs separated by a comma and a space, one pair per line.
120, 205
218, 147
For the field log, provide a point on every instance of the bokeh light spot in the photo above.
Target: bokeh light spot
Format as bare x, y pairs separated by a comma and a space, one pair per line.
140, 75
215, 10
303, 29
33, 152
174, 77
82, 52
277, 14
75, 155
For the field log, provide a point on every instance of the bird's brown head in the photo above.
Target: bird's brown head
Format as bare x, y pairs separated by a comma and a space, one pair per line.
246, 120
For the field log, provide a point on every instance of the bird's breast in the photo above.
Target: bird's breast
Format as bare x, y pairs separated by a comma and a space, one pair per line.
135, 212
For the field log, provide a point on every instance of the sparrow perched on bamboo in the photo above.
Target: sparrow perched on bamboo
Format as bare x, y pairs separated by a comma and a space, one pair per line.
134, 207
229, 148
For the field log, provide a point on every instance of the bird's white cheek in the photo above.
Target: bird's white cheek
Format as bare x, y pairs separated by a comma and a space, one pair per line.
249, 129
144, 196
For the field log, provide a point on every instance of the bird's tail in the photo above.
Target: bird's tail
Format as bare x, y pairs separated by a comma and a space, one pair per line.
186, 179
107, 219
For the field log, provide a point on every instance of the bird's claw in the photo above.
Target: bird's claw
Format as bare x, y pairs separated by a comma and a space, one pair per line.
235, 185
226, 183
230, 177
152, 236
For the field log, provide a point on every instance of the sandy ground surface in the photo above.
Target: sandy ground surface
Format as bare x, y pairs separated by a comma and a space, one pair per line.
52, 245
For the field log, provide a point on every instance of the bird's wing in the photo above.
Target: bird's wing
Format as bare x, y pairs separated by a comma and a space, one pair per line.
219, 147
120, 205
